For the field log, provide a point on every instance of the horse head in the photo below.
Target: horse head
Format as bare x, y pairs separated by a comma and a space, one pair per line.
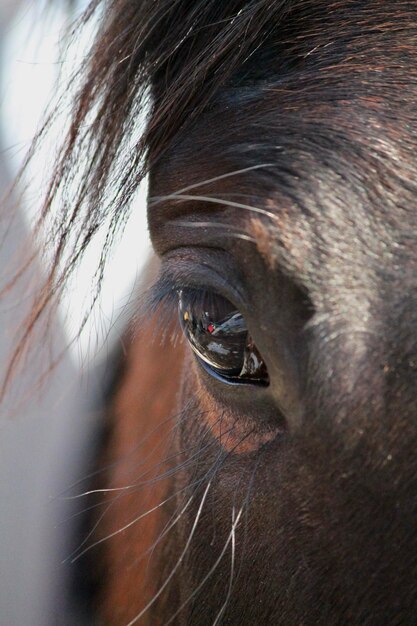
271, 430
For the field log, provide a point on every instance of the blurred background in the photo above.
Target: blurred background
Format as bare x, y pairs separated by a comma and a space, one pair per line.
46, 435
38, 62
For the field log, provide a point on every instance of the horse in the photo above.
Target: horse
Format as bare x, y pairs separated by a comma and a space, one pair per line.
258, 464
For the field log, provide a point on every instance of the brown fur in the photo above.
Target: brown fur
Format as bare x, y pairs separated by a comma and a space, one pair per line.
139, 445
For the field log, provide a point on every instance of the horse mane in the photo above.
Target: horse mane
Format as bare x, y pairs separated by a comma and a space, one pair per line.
153, 68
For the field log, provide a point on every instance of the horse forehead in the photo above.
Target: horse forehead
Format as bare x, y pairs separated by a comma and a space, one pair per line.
327, 165
310, 96
310, 207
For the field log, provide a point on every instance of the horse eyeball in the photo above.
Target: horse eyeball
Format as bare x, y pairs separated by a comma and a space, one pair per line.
218, 335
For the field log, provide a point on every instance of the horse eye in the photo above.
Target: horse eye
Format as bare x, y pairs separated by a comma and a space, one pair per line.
218, 335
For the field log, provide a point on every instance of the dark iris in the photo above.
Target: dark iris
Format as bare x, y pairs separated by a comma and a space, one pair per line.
218, 334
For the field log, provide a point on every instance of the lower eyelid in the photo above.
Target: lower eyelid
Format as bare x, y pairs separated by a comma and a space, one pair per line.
233, 382
235, 429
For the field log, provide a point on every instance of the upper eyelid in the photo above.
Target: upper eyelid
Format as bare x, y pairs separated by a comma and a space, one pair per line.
179, 270
164, 294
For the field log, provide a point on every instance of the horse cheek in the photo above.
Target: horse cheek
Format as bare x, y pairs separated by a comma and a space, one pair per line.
142, 448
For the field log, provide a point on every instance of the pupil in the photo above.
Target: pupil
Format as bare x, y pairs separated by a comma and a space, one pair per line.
215, 330
218, 334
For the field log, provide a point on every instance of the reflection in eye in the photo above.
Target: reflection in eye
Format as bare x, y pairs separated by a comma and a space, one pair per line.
218, 335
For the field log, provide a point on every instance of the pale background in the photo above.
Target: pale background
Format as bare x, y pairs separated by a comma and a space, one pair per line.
46, 437
35, 61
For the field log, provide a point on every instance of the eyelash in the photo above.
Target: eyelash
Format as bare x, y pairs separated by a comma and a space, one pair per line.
162, 299
163, 295
160, 303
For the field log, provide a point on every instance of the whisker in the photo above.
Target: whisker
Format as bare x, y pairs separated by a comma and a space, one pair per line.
110, 466
137, 484
208, 575
178, 563
75, 555
95, 491
70, 558
247, 503
232, 569
197, 481
234, 234
229, 539
180, 416
236, 205
128, 525
245, 170
82, 511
